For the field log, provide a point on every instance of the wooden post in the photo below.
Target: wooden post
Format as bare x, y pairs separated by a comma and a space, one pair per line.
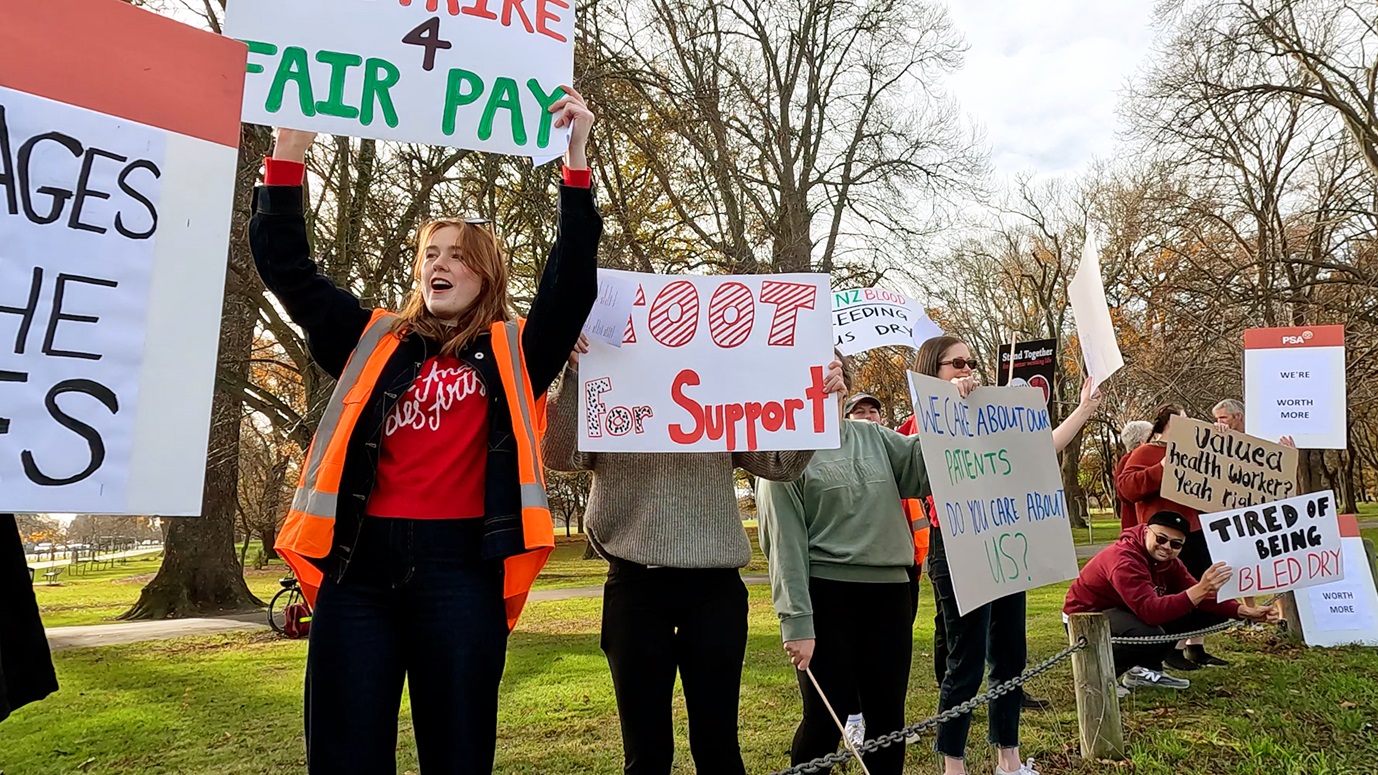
1093, 674
1292, 618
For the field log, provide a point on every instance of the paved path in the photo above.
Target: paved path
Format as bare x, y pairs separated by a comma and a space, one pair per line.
138, 632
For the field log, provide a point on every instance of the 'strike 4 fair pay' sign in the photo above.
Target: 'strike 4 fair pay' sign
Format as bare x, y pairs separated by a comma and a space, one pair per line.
713, 364
467, 73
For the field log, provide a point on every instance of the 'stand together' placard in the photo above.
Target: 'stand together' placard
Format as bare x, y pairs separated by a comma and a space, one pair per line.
1274, 547
1209, 469
996, 487
725, 363
478, 74
115, 193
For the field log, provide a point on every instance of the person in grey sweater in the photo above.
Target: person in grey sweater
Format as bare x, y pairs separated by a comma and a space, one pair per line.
670, 528
839, 548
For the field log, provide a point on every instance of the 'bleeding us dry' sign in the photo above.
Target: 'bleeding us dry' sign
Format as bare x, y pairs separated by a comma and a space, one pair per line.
115, 192
713, 364
1274, 547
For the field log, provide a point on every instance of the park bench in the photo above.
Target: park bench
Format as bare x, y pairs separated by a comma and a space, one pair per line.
52, 575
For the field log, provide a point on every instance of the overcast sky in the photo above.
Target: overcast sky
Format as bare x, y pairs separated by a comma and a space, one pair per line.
1043, 76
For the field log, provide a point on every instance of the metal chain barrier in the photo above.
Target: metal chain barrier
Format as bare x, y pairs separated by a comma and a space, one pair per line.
826, 762
1173, 637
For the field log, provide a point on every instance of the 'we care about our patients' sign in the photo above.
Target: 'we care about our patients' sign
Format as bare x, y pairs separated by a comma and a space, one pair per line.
118, 138
474, 74
996, 488
712, 364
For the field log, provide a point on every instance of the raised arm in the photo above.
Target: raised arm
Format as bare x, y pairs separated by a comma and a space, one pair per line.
1072, 425
906, 460
330, 316
569, 283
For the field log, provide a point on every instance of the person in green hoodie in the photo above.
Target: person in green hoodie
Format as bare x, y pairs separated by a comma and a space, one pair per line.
839, 549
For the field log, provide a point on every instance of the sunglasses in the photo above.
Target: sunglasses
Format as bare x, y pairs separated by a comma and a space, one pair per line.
960, 363
1175, 543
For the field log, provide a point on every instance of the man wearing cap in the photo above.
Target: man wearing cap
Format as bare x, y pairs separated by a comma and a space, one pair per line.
1142, 586
863, 406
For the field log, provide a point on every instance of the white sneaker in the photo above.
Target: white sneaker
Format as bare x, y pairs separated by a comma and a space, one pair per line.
855, 731
1137, 677
1121, 691
1027, 768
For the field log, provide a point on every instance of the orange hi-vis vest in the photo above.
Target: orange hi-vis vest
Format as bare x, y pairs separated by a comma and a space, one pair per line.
309, 530
917, 513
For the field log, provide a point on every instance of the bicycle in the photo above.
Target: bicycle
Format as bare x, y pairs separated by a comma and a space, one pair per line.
289, 614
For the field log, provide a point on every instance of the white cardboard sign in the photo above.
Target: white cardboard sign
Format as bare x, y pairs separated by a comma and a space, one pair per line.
115, 198
996, 487
1294, 385
1276, 547
724, 363
867, 318
474, 74
607, 321
1343, 612
1099, 348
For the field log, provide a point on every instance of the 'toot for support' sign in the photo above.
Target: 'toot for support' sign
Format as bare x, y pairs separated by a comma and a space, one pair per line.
1208, 469
1274, 547
1294, 385
115, 194
711, 364
474, 74
996, 487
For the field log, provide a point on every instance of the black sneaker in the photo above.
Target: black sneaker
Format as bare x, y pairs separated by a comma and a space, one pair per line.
1035, 703
1200, 656
1178, 661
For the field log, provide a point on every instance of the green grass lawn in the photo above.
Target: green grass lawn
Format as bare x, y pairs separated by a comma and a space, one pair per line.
231, 705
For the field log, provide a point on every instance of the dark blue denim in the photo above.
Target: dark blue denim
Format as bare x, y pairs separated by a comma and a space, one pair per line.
417, 603
992, 634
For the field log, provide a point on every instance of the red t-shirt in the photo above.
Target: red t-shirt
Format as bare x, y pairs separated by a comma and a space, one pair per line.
434, 454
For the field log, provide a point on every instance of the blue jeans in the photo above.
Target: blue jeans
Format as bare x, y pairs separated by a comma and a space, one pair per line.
992, 634
416, 603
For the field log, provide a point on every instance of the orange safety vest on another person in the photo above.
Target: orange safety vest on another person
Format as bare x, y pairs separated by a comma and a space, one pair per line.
309, 530
914, 508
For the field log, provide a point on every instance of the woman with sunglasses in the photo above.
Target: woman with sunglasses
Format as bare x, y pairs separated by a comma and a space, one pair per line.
419, 522
994, 632
1140, 482
1143, 588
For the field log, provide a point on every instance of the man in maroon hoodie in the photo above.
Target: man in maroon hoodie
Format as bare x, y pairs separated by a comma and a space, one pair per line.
1141, 585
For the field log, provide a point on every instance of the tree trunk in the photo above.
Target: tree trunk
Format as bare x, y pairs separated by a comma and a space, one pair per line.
1073, 494
199, 574
269, 537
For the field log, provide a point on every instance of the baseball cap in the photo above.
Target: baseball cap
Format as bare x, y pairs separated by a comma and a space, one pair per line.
1171, 519
860, 398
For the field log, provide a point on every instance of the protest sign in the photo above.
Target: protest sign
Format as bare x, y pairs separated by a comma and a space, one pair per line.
1342, 612
607, 321
1100, 351
997, 488
713, 364
1035, 365
1274, 547
1209, 469
1294, 385
477, 75
867, 318
115, 195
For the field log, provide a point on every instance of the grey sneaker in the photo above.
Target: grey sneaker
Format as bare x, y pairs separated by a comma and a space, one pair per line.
1138, 677
1121, 691
855, 732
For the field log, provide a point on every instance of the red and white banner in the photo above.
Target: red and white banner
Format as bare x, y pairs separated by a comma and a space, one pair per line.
119, 132
1294, 385
725, 363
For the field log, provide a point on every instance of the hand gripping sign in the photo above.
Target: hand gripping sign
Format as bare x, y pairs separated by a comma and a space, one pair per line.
726, 363
115, 192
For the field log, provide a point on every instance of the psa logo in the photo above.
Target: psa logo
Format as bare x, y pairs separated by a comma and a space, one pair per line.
1305, 337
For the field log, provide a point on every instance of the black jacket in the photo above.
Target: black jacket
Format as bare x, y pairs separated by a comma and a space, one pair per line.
26, 668
333, 322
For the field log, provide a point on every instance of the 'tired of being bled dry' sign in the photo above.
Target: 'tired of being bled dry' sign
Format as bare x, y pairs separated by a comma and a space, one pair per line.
474, 74
996, 487
1209, 469
1275, 547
